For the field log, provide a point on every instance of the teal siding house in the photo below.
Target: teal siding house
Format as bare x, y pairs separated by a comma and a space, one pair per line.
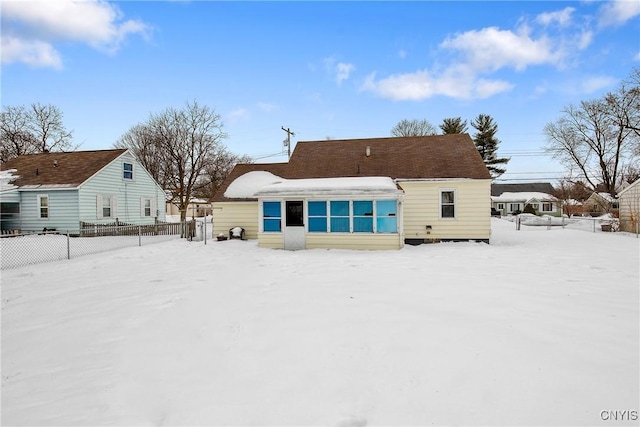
58, 191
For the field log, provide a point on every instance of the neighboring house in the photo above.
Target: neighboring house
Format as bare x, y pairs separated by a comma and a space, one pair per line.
58, 191
196, 208
629, 208
510, 198
600, 203
377, 193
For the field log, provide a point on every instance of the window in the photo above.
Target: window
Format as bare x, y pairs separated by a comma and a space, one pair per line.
317, 217
363, 216
339, 216
43, 206
127, 171
447, 204
271, 217
500, 206
386, 219
547, 207
535, 206
106, 206
514, 207
146, 207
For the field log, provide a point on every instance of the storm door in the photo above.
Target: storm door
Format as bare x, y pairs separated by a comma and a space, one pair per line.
294, 233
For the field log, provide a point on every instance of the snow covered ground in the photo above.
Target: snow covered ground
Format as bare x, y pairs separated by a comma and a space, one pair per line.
539, 328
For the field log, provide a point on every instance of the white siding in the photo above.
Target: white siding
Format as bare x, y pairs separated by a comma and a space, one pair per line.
630, 208
63, 211
128, 194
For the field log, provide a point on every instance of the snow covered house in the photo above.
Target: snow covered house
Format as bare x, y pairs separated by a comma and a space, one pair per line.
629, 207
377, 193
512, 198
58, 191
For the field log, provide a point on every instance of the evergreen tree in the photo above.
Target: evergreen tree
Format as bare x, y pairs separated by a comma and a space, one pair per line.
453, 125
487, 144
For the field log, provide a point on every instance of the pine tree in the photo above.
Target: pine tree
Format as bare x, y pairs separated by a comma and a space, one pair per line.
487, 144
453, 125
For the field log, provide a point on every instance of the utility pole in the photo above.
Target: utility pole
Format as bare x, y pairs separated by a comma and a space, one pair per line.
287, 142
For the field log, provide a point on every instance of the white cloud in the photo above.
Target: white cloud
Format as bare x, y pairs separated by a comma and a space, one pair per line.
454, 83
561, 17
237, 115
490, 49
343, 70
596, 83
618, 12
637, 57
97, 23
340, 70
33, 53
264, 106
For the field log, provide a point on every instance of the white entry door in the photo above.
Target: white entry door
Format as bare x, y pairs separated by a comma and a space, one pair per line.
294, 235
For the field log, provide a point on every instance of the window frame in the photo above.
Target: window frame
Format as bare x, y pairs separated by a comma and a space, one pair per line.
270, 218
500, 206
46, 208
143, 207
452, 204
550, 204
125, 171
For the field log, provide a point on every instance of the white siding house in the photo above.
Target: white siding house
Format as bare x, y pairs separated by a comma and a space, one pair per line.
59, 191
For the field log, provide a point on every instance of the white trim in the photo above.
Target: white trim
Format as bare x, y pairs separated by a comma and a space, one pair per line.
39, 198
455, 203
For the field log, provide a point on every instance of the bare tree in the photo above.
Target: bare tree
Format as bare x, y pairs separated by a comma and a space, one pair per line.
177, 146
217, 171
600, 138
15, 138
413, 128
37, 129
47, 127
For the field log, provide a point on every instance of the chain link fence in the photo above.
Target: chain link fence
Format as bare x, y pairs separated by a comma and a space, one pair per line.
18, 250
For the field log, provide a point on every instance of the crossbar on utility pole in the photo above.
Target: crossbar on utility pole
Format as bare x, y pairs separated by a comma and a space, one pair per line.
287, 141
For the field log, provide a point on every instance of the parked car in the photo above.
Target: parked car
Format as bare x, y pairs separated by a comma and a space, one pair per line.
495, 212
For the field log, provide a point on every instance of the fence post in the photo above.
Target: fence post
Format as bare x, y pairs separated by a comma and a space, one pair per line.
204, 229
549, 224
68, 246
139, 235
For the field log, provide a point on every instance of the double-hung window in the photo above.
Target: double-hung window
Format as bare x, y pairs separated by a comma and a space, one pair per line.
271, 216
43, 206
106, 206
127, 171
547, 207
147, 207
447, 204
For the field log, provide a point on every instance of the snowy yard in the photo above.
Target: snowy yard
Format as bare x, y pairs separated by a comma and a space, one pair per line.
539, 328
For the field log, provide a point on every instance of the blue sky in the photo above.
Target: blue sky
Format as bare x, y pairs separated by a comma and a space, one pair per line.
322, 69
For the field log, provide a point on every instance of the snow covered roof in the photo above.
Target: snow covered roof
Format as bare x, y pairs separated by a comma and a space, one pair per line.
6, 176
265, 184
523, 197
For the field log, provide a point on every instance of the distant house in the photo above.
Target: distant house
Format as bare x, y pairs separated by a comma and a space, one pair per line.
196, 208
513, 198
600, 203
629, 207
58, 191
377, 193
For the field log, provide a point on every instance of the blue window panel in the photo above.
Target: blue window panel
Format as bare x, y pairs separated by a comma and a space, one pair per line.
340, 225
340, 208
272, 224
271, 209
363, 208
386, 208
318, 225
387, 225
363, 224
317, 208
